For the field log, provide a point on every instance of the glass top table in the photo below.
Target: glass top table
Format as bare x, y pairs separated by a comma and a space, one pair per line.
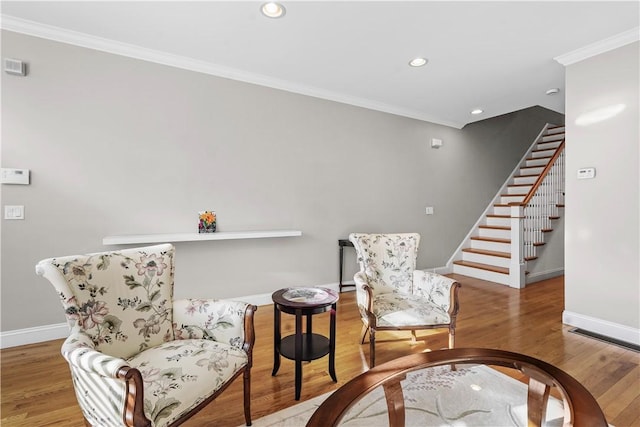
461, 387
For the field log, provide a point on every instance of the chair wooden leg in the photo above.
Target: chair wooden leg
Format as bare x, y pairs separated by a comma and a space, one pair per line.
372, 347
452, 338
365, 329
452, 342
247, 395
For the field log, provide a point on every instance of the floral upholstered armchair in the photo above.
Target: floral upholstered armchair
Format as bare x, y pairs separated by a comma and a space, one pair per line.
137, 357
393, 295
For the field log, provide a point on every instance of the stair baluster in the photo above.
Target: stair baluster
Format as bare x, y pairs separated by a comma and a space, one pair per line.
539, 206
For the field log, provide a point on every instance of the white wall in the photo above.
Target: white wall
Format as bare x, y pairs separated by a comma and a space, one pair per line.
121, 146
602, 255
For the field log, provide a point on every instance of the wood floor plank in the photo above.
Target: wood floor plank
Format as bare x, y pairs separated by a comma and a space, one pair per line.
36, 387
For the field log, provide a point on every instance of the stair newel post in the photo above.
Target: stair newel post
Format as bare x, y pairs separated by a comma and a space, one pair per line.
517, 265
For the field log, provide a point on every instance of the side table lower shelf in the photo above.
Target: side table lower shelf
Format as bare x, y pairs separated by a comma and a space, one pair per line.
314, 346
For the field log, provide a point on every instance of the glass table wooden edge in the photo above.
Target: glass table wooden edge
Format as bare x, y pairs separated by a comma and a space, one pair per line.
580, 407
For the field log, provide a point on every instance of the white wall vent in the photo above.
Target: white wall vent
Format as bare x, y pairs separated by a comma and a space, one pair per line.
15, 66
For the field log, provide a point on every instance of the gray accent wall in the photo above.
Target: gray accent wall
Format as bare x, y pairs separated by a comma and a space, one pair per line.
117, 146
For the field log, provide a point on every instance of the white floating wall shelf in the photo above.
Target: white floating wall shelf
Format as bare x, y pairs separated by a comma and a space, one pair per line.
135, 239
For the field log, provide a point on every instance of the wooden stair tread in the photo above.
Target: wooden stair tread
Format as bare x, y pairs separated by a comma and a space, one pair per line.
491, 239
487, 267
486, 252
530, 258
500, 216
520, 185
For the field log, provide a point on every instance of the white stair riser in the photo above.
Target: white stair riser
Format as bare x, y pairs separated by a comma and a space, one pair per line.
491, 246
486, 259
554, 131
519, 190
547, 145
502, 222
553, 137
492, 232
502, 210
511, 199
537, 162
525, 180
544, 153
531, 171
481, 274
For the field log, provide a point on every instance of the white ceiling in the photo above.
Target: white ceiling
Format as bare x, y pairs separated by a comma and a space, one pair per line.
498, 56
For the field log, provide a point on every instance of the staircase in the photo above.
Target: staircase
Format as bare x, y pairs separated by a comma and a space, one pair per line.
512, 228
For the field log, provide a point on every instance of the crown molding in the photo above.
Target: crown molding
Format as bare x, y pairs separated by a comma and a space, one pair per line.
75, 38
602, 46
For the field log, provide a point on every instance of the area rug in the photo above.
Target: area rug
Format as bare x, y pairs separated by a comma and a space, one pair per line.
470, 396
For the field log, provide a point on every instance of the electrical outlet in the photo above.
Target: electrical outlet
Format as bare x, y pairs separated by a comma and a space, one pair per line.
428, 210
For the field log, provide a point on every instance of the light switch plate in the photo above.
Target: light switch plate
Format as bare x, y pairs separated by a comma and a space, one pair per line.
13, 212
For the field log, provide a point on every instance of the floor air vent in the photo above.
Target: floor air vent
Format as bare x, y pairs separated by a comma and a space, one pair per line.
619, 343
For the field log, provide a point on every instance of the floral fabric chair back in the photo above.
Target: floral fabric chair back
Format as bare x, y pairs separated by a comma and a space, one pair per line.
388, 260
122, 300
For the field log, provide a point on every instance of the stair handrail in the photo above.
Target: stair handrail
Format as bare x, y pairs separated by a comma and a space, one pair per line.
542, 176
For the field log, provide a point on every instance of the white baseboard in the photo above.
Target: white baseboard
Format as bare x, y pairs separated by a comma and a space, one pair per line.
602, 327
544, 275
33, 335
61, 330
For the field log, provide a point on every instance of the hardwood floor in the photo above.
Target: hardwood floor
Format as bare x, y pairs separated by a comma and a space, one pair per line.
37, 391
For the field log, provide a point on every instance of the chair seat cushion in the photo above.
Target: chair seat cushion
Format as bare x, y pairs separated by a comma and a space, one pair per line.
401, 310
179, 375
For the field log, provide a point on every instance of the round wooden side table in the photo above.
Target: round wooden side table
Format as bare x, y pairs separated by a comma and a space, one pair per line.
304, 346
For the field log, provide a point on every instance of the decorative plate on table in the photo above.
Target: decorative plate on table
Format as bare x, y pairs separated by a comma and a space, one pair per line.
308, 295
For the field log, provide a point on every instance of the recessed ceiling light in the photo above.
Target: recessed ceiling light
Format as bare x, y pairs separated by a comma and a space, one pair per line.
418, 62
477, 111
273, 10
552, 91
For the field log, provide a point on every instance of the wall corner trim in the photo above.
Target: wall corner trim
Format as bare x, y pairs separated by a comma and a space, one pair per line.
602, 46
602, 327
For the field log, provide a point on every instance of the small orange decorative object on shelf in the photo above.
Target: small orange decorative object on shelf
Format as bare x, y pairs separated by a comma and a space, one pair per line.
207, 222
